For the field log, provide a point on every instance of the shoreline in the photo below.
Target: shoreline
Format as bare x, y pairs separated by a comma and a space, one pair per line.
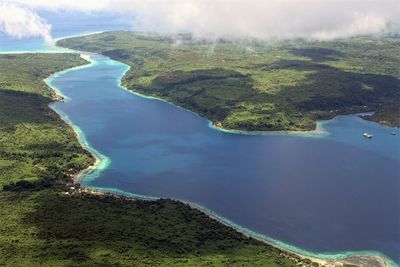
318, 132
101, 162
357, 258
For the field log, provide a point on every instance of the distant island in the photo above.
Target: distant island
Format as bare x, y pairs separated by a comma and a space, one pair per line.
252, 85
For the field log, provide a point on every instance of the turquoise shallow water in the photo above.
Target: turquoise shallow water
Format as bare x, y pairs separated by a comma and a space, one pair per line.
324, 193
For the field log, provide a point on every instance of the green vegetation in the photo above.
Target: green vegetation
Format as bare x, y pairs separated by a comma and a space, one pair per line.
41, 225
24, 73
251, 85
35, 144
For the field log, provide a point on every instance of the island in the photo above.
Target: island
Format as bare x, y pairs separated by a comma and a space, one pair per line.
253, 85
48, 219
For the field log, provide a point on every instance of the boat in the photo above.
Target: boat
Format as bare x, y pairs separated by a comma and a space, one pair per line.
368, 135
393, 133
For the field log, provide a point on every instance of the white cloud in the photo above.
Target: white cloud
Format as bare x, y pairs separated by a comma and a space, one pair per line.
21, 22
268, 19
81, 5
271, 19
361, 24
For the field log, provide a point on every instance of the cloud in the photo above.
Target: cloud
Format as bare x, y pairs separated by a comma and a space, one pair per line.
321, 19
20, 22
78, 5
266, 19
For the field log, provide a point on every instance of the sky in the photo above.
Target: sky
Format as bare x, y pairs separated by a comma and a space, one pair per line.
264, 19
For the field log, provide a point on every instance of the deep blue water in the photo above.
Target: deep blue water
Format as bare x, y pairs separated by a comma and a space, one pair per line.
332, 193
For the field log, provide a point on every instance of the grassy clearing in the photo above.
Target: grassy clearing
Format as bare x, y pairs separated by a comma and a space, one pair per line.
251, 85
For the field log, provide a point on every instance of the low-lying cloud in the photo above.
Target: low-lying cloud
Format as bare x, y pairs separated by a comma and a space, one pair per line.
19, 22
319, 19
265, 19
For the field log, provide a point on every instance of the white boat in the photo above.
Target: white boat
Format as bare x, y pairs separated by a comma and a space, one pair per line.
368, 136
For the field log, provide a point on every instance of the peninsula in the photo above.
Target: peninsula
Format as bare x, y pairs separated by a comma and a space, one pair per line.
252, 85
